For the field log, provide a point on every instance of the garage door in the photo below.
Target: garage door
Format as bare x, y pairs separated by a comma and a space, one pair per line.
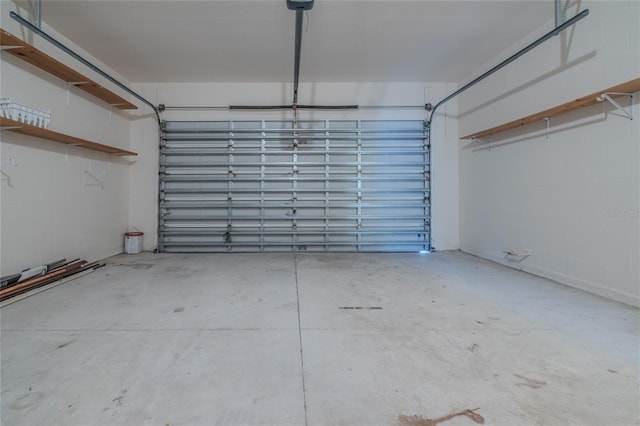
328, 185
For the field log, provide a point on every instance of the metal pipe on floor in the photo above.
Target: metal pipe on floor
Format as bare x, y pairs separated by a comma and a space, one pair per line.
75, 55
554, 32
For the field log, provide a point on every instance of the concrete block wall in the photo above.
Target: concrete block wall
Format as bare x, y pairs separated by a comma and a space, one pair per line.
63, 201
569, 195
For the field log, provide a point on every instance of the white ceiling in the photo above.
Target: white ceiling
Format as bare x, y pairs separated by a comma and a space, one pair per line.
253, 41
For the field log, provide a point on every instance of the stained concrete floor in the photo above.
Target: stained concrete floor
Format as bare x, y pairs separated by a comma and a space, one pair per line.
253, 339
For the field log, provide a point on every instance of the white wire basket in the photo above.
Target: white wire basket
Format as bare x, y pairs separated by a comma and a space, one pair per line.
24, 114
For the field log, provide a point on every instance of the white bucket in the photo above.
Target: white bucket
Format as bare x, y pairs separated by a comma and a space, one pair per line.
133, 242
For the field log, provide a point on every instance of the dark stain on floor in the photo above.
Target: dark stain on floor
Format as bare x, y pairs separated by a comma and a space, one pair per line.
118, 399
62, 345
136, 265
530, 383
360, 307
424, 421
26, 401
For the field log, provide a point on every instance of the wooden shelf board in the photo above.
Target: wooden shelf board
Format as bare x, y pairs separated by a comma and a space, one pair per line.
585, 101
26, 129
30, 54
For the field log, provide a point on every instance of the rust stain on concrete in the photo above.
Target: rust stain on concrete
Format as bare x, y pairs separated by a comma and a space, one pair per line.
424, 421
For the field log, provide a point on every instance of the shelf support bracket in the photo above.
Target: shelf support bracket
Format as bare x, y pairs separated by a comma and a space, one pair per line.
7, 178
100, 183
548, 120
607, 96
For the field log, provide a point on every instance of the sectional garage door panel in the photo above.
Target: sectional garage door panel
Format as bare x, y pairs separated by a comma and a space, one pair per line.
249, 186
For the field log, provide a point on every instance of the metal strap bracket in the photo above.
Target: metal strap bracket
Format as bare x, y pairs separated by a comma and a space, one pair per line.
7, 178
607, 96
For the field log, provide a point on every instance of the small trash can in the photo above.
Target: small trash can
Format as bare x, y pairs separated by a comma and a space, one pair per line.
133, 242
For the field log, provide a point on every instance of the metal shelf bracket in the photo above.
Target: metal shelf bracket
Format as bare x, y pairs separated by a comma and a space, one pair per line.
607, 96
548, 121
7, 178
99, 182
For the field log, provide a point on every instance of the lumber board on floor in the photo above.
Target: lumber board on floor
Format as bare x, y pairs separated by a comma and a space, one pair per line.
62, 272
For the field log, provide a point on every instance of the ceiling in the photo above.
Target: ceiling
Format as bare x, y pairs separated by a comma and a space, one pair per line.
253, 41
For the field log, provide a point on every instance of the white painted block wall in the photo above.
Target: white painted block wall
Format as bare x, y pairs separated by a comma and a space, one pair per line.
569, 196
144, 133
53, 208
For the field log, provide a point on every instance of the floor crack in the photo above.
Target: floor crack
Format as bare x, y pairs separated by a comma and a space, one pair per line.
304, 389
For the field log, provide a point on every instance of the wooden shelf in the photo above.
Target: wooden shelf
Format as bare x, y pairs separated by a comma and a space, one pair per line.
592, 99
26, 129
18, 48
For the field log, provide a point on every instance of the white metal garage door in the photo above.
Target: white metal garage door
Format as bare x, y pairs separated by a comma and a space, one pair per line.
248, 186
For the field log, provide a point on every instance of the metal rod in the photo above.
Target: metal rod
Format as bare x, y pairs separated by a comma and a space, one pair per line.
292, 106
296, 71
259, 107
554, 32
275, 107
327, 106
64, 48
391, 107
198, 107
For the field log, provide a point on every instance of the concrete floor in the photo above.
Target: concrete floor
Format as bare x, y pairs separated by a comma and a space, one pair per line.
253, 339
